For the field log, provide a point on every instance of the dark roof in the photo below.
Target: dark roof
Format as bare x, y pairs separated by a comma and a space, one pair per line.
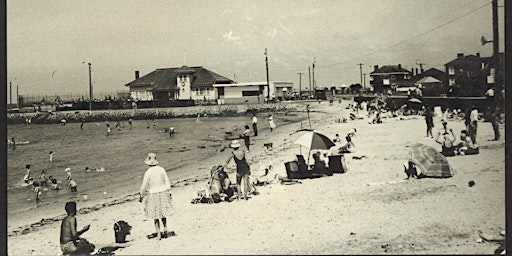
433, 72
166, 78
390, 69
468, 60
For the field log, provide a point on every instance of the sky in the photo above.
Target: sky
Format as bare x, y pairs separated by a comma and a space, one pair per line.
50, 42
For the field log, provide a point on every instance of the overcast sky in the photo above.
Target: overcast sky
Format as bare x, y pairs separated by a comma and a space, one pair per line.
48, 40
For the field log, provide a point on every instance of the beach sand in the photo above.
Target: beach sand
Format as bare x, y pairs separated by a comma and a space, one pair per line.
370, 209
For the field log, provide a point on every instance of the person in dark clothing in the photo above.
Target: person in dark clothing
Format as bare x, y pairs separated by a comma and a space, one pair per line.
242, 168
429, 119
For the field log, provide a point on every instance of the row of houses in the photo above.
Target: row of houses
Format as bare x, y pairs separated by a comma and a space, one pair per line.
469, 75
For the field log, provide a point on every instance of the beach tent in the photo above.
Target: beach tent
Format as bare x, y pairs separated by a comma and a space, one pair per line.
429, 162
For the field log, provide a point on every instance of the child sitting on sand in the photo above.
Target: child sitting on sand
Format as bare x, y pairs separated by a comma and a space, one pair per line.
466, 146
349, 147
447, 147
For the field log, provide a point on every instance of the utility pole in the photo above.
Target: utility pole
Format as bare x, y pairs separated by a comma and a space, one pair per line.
309, 72
421, 66
90, 88
314, 82
364, 81
268, 84
496, 54
17, 97
10, 93
361, 71
300, 84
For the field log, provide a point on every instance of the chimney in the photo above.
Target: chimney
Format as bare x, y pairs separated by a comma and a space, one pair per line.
399, 65
478, 54
136, 75
460, 55
375, 67
421, 69
412, 71
417, 73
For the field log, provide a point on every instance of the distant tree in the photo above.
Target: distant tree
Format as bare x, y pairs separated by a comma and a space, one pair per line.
355, 88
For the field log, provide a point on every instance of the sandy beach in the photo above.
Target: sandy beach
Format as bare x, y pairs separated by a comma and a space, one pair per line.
370, 209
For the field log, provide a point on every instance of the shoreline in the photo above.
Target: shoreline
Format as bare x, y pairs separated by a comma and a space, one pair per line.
368, 210
16, 226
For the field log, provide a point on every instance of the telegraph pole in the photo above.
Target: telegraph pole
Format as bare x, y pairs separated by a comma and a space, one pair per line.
268, 84
300, 84
314, 82
364, 81
496, 54
90, 89
17, 97
10, 94
361, 71
309, 72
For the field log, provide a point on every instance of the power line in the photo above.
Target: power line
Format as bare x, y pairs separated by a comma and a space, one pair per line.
411, 38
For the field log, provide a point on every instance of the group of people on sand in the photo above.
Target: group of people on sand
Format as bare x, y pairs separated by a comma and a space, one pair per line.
467, 144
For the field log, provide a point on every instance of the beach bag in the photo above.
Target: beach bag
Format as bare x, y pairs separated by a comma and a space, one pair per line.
121, 229
292, 170
338, 164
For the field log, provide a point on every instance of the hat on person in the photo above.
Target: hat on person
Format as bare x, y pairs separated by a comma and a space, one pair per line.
67, 169
235, 144
151, 159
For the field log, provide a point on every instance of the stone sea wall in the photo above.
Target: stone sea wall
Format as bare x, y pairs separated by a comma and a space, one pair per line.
152, 113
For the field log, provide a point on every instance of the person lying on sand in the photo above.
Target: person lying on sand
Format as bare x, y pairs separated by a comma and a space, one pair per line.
70, 240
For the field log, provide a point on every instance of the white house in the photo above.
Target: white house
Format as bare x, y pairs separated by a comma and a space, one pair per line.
253, 92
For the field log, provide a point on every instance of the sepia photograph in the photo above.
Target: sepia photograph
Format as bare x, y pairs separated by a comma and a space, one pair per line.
304, 127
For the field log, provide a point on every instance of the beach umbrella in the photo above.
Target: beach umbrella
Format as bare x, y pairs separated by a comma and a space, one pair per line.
415, 100
314, 140
429, 161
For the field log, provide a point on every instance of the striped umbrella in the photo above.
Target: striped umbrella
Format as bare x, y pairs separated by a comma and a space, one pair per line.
314, 140
431, 163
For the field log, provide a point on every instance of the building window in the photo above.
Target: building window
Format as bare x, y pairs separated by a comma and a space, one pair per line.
451, 71
451, 81
250, 93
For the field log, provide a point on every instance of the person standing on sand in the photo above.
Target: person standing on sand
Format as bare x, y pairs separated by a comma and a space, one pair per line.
247, 139
70, 240
473, 123
109, 130
255, 125
242, 168
155, 192
271, 122
429, 120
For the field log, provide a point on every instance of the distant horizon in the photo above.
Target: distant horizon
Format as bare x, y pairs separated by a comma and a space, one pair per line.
50, 42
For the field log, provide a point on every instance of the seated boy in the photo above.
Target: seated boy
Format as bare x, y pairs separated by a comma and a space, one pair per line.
70, 240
